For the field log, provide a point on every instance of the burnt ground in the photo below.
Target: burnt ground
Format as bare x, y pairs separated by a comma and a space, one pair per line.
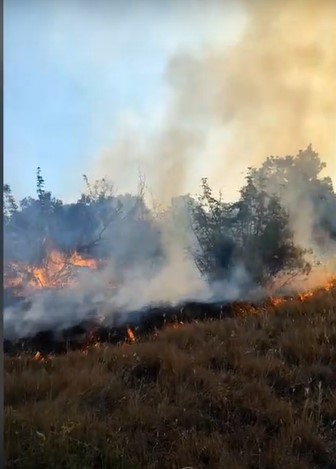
142, 323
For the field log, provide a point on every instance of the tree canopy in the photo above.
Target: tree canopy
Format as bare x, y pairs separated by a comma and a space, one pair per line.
255, 232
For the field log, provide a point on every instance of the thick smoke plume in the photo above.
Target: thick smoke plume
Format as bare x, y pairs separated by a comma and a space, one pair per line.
274, 87
230, 107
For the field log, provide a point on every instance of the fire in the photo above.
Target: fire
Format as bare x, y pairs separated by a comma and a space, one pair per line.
277, 301
78, 261
306, 295
97, 337
130, 335
56, 271
38, 357
329, 285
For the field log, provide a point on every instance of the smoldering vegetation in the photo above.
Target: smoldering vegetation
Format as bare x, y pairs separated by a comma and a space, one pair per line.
199, 248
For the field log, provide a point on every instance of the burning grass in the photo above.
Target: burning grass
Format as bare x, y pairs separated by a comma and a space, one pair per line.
145, 324
250, 391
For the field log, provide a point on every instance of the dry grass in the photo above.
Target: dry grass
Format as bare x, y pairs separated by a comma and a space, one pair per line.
253, 392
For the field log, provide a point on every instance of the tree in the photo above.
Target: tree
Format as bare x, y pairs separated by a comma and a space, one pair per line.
298, 183
256, 233
212, 224
10, 205
253, 232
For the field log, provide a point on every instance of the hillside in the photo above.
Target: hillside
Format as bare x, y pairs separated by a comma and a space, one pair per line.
251, 392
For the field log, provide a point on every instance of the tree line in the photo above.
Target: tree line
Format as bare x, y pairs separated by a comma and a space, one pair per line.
255, 231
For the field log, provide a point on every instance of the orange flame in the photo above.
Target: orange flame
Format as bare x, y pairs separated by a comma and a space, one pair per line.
130, 335
306, 295
38, 357
57, 270
277, 301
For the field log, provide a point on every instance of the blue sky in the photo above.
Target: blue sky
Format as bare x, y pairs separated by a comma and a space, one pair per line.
75, 69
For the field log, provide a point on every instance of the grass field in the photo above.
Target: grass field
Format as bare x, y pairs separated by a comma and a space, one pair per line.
251, 392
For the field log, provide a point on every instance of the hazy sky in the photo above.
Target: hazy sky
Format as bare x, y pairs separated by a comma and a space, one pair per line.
76, 70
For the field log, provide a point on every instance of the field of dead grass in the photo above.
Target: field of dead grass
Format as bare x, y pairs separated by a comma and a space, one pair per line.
249, 392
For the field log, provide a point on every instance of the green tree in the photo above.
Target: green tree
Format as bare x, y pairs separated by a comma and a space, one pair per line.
212, 226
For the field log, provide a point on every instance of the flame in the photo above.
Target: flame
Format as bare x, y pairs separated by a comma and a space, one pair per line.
93, 340
78, 261
56, 271
276, 301
38, 357
329, 285
306, 295
130, 335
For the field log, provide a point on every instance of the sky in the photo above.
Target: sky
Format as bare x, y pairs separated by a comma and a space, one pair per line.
75, 72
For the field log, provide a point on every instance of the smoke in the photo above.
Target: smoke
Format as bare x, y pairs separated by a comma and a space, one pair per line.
273, 89
231, 106
148, 264
227, 107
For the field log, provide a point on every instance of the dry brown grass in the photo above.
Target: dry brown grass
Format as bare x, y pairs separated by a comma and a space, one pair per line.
253, 392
